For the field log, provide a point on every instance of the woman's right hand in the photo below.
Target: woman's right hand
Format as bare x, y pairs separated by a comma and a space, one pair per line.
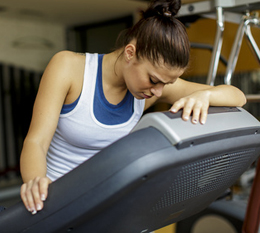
34, 193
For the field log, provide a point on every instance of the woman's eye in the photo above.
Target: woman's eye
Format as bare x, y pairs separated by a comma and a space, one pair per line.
152, 82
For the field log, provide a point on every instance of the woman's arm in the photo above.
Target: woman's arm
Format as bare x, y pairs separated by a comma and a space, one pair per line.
195, 98
54, 89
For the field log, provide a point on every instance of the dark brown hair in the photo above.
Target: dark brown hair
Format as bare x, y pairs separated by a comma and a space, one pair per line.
159, 35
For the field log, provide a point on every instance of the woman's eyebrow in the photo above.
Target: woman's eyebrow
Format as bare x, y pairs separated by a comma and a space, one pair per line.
159, 80
155, 77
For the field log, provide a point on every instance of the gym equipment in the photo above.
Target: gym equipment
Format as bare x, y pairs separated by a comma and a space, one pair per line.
164, 171
252, 219
236, 11
220, 216
239, 216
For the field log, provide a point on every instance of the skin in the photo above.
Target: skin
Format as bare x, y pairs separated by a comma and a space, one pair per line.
62, 83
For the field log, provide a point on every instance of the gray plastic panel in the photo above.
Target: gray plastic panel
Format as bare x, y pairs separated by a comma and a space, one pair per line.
238, 121
234, 3
141, 182
203, 7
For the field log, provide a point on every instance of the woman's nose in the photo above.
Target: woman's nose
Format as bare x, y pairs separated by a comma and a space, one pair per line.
157, 89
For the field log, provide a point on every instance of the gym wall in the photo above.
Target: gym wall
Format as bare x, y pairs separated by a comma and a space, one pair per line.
30, 43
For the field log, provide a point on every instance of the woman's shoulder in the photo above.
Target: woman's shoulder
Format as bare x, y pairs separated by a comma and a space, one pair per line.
68, 57
66, 67
66, 64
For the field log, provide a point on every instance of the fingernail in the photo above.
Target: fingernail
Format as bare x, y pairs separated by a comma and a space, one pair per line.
38, 207
33, 212
173, 110
43, 198
186, 118
28, 208
203, 122
195, 121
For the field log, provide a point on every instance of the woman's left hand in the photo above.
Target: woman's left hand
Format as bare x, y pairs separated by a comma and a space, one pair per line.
195, 98
196, 104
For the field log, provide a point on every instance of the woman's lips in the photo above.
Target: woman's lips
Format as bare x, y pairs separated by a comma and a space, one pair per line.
147, 96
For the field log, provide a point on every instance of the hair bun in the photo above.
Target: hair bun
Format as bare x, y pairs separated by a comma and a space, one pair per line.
167, 8
167, 14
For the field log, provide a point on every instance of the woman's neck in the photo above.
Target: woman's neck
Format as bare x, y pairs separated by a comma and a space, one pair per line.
114, 86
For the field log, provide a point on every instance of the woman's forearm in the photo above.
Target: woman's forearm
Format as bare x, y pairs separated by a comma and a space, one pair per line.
33, 161
226, 95
197, 102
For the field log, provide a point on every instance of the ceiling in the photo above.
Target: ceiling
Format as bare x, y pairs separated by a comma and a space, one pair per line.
69, 12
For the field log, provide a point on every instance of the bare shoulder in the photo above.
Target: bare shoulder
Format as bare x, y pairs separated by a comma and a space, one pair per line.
65, 73
68, 69
68, 57
66, 65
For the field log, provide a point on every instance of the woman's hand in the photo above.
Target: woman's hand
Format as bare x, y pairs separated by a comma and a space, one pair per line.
34, 193
196, 104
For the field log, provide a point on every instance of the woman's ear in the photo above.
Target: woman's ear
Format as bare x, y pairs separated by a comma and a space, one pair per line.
129, 53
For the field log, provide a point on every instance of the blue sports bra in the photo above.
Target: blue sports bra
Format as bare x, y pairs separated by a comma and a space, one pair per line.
104, 111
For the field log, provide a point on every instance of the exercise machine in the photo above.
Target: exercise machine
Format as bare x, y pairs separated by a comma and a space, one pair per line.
164, 171
241, 12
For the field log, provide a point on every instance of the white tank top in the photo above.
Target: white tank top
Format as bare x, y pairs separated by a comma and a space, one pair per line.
79, 135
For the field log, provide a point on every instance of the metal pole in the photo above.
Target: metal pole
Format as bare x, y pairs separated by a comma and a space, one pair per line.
217, 47
253, 45
235, 52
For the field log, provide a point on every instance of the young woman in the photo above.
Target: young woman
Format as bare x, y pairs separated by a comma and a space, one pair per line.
86, 102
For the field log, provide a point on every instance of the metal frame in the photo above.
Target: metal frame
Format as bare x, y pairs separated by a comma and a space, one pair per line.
217, 47
227, 11
244, 29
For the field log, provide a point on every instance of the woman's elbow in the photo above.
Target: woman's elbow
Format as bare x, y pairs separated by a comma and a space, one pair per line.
242, 100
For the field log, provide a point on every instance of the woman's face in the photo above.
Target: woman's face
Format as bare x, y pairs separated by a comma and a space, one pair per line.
145, 80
